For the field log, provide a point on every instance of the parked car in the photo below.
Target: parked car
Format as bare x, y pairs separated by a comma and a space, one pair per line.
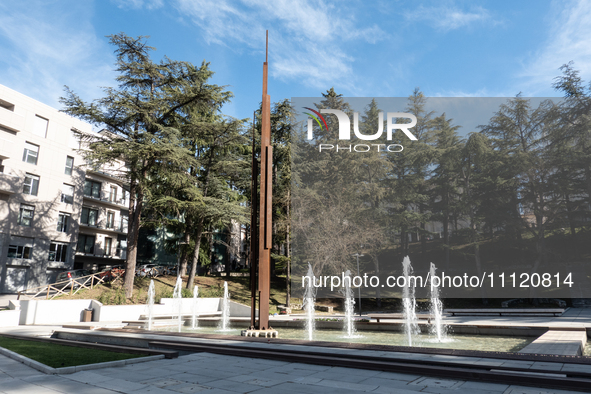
149, 270
69, 278
111, 273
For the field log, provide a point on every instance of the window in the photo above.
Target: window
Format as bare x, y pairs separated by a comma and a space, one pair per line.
30, 154
89, 216
67, 193
108, 246
121, 248
19, 252
62, 222
58, 252
92, 189
1, 166
124, 220
69, 165
31, 185
125, 197
110, 219
25, 215
113, 194
7, 105
74, 142
40, 127
86, 243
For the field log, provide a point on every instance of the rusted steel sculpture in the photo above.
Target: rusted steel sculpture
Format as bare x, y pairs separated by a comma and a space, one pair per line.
265, 223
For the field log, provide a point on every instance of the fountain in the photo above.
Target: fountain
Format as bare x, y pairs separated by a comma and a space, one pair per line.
438, 327
178, 299
195, 293
371, 334
408, 300
225, 309
308, 303
349, 305
151, 293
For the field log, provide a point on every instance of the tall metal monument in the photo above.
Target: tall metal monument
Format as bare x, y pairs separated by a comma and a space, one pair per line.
261, 240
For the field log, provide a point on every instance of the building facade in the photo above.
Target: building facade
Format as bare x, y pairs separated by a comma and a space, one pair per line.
56, 213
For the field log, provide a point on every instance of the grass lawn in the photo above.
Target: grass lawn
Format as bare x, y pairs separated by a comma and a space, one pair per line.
58, 356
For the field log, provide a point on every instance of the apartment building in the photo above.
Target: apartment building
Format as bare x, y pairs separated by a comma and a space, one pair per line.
56, 213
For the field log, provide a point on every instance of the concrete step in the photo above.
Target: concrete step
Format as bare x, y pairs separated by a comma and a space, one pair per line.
569, 342
582, 302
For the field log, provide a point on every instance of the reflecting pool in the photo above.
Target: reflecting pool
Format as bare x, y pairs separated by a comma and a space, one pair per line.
495, 343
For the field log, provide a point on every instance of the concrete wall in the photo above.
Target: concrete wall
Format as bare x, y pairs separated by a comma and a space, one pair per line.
204, 305
119, 312
52, 311
70, 311
239, 310
167, 306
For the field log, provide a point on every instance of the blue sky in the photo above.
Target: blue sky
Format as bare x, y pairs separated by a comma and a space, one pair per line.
362, 48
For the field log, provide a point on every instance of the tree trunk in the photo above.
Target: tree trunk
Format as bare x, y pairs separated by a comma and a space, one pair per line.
477, 261
184, 253
210, 239
403, 242
540, 257
228, 265
136, 196
195, 254
422, 233
199, 228
446, 238
288, 255
570, 215
376, 262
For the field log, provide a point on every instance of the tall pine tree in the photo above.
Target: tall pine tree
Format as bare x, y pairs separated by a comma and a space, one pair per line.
139, 116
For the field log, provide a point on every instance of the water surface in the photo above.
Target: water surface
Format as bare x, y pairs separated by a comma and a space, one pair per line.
496, 343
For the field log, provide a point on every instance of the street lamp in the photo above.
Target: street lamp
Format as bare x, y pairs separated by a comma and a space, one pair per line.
358, 255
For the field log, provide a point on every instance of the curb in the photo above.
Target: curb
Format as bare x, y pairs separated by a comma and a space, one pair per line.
67, 370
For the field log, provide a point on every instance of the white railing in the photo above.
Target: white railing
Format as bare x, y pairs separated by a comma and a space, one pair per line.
68, 287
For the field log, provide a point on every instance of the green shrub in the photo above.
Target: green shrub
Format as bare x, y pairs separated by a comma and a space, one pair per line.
104, 297
212, 292
119, 298
163, 294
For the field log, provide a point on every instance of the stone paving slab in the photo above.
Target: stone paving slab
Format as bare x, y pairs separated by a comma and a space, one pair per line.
321, 380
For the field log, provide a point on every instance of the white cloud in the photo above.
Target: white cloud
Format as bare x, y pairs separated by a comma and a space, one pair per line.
47, 48
569, 39
307, 39
447, 17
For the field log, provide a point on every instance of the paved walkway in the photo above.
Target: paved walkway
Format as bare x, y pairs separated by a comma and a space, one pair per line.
219, 374
212, 373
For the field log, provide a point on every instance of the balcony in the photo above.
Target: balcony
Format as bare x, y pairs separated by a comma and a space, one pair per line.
118, 203
9, 184
104, 227
11, 121
120, 255
108, 175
